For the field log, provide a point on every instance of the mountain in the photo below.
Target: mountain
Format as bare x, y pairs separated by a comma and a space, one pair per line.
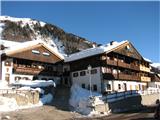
26, 29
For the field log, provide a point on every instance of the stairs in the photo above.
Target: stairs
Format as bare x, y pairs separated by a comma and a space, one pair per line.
61, 98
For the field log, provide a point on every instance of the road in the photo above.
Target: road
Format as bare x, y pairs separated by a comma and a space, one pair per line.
52, 113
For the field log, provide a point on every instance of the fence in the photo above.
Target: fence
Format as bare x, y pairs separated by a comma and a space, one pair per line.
122, 95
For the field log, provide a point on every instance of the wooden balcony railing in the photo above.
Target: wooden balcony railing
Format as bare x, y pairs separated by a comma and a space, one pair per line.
25, 70
134, 67
145, 79
144, 68
34, 71
111, 62
128, 77
123, 64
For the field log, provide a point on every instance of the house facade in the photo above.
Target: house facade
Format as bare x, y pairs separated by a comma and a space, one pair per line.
155, 78
30, 61
115, 67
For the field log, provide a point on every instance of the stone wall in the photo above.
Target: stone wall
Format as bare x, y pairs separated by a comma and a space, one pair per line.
24, 97
133, 103
127, 104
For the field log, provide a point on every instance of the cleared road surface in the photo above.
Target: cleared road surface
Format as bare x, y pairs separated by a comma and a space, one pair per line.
52, 113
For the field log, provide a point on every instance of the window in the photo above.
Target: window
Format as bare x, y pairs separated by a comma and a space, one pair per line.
44, 78
7, 77
46, 54
75, 74
35, 78
119, 86
35, 52
89, 87
83, 85
94, 71
95, 87
17, 78
25, 78
7, 63
83, 73
108, 87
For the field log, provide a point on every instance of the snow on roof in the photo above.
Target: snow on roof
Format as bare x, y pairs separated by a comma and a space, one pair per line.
146, 59
156, 65
93, 51
27, 44
36, 83
24, 21
8, 43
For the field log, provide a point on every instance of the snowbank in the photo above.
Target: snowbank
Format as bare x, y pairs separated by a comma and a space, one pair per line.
36, 83
46, 99
80, 100
8, 104
4, 85
79, 94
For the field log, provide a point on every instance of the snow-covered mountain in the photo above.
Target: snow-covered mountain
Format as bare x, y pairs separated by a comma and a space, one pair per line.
26, 29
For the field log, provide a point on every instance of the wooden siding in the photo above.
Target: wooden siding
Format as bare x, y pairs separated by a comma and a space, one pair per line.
28, 67
120, 76
29, 55
130, 52
82, 64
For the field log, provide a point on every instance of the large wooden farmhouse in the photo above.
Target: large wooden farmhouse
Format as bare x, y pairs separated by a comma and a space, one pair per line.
115, 67
30, 60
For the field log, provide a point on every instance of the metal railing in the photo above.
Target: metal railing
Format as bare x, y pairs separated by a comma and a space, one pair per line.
122, 95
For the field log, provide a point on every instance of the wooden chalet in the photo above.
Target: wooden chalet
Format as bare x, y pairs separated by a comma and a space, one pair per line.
117, 67
31, 60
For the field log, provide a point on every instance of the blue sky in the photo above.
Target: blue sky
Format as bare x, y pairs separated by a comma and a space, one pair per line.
101, 22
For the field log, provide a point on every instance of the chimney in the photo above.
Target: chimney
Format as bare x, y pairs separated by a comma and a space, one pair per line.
111, 43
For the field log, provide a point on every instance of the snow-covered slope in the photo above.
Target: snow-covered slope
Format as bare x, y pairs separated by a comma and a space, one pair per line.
26, 29
156, 65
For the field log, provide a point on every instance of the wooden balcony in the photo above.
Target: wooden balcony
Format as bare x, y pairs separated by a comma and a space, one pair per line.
129, 66
128, 77
111, 62
123, 64
26, 70
145, 79
110, 76
134, 67
144, 68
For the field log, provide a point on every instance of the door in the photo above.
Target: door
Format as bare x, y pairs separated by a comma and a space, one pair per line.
125, 86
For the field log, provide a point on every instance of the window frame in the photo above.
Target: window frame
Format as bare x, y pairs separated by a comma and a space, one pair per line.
75, 74
82, 73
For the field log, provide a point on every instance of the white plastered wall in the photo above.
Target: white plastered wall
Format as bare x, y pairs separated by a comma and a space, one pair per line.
114, 85
95, 79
